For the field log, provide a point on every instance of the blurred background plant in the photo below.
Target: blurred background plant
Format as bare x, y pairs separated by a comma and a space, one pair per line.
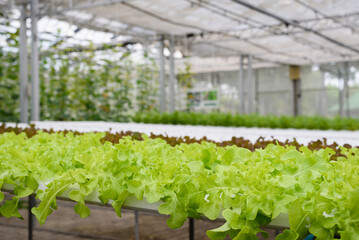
9, 79
86, 83
186, 77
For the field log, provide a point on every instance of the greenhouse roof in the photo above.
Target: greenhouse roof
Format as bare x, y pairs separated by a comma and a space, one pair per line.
213, 33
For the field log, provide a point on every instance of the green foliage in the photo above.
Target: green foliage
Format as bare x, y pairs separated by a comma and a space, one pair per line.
83, 87
9, 80
254, 120
248, 188
80, 84
173, 141
185, 77
146, 96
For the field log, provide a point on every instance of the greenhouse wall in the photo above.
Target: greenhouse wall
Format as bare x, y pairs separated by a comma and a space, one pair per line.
320, 90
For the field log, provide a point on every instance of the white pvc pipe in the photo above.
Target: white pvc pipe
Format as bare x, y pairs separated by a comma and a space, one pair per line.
241, 85
251, 85
24, 118
35, 86
172, 76
162, 77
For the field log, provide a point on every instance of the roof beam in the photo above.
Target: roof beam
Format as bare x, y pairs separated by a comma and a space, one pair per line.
294, 24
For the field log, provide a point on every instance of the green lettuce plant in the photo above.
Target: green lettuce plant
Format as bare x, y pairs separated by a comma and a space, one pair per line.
248, 189
253, 120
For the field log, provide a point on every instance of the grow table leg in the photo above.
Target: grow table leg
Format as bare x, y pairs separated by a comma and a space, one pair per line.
191, 229
137, 230
32, 203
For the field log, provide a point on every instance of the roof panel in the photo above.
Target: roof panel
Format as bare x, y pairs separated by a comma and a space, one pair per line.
286, 31
286, 8
334, 7
343, 35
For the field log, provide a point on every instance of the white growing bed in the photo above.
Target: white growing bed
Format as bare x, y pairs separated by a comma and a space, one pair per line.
214, 133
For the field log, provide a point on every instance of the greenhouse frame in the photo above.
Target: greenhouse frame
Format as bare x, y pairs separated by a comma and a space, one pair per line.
284, 59
258, 37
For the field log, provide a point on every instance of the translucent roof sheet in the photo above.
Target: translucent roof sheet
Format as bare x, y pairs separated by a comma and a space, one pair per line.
272, 31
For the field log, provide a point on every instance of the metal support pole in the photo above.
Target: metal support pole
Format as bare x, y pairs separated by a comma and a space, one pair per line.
256, 91
32, 203
296, 97
241, 85
162, 77
137, 227
191, 229
346, 89
250, 85
294, 75
323, 97
341, 95
24, 118
35, 86
172, 75
299, 96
